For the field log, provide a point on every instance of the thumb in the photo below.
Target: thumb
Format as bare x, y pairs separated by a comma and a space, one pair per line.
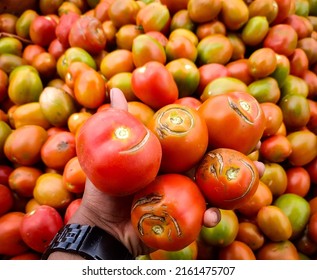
118, 100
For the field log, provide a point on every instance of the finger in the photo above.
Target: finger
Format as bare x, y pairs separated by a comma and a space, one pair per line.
260, 166
212, 217
118, 100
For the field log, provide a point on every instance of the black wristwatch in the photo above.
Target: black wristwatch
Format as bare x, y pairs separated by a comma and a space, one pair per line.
90, 242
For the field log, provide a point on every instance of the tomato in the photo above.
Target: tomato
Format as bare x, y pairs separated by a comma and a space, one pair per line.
275, 178
179, 47
31, 205
234, 14
183, 135
311, 79
6, 199
311, 168
312, 227
189, 101
140, 111
301, 24
145, 48
298, 181
4, 82
239, 48
294, 85
122, 139
175, 5
296, 110
227, 178
241, 117
282, 39
274, 223
251, 235
125, 36
11, 242
30, 113
210, 72
262, 197
305, 245
45, 64
184, 32
27, 256
71, 209
255, 30
5, 131
30, 51
275, 148
58, 150
273, 116
283, 250
189, 252
22, 149
40, 226
308, 45
297, 209
76, 119
123, 12
224, 233
282, 69
154, 85
49, 190
154, 17
262, 62
201, 11
74, 178
214, 48
298, 62
240, 69
284, 9
237, 250
304, 147
22, 180
175, 215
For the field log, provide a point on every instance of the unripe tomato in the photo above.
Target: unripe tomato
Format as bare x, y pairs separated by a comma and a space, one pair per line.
168, 213
112, 142
227, 178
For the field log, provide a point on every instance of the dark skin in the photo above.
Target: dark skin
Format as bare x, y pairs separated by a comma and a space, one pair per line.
113, 213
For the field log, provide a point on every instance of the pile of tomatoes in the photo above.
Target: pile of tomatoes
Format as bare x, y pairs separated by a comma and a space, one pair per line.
205, 82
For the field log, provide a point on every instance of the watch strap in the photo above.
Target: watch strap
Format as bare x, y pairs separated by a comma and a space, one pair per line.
90, 242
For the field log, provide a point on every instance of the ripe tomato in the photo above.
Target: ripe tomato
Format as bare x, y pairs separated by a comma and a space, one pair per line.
262, 62
76, 119
227, 178
119, 140
74, 178
189, 252
224, 233
189, 101
183, 135
58, 149
23, 149
140, 111
298, 181
168, 213
273, 116
283, 250
22, 180
312, 227
154, 85
71, 209
262, 197
240, 116
237, 250
39, 227
27, 256
11, 242
6, 199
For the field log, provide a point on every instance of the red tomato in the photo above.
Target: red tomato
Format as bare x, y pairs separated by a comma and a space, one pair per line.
5, 172
227, 178
298, 181
11, 242
183, 135
237, 250
71, 209
154, 85
312, 227
6, 199
121, 144
168, 213
238, 125
283, 250
39, 227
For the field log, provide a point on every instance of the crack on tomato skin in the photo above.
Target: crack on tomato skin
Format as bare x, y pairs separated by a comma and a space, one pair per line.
139, 145
148, 216
238, 111
232, 173
149, 199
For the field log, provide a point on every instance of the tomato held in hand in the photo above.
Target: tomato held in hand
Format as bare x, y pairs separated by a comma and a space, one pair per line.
168, 213
227, 178
240, 123
117, 152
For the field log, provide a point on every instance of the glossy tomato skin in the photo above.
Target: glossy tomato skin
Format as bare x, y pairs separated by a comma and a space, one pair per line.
240, 116
227, 178
112, 142
168, 213
154, 85
39, 227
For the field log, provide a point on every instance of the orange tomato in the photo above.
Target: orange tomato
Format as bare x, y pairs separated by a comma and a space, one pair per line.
125, 36
74, 177
22, 180
23, 145
50, 190
58, 150
283, 250
123, 12
262, 62
237, 250
273, 118
6, 199
76, 119
250, 234
183, 135
141, 111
